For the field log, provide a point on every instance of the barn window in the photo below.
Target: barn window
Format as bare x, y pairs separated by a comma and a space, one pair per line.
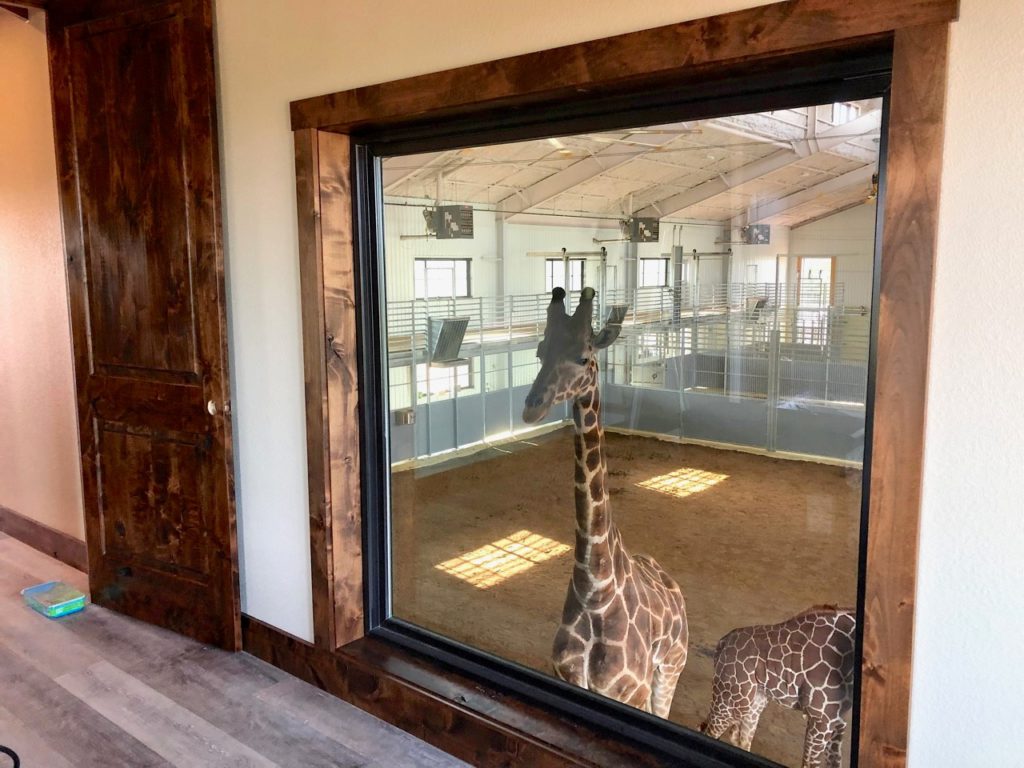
653, 273
554, 274
442, 278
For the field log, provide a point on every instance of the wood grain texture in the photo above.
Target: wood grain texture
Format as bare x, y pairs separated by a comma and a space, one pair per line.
414, 695
909, 241
32, 749
135, 127
144, 696
55, 543
173, 732
470, 720
321, 712
329, 352
318, 469
66, 724
624, 61
339, 294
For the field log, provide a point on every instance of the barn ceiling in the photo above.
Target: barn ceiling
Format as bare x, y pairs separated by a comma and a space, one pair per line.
785, 167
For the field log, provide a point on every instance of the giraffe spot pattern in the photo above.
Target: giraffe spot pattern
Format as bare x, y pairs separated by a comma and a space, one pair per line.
623, 632
804, 663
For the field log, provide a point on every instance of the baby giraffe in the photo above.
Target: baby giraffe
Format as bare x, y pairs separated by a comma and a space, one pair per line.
623, 632
804, 663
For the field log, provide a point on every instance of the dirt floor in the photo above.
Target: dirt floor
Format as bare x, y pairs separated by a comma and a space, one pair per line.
750, 539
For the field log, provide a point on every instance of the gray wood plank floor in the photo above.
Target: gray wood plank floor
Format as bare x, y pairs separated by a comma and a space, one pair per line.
100, 689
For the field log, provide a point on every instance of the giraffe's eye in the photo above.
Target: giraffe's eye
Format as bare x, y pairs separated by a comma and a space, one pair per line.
581, 361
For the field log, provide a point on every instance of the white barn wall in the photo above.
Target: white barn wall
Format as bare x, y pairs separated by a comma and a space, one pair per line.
525, 274
850, 237
401, 254
764, 256
970, 584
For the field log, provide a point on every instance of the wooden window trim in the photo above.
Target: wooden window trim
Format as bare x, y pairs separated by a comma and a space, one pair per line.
734, 42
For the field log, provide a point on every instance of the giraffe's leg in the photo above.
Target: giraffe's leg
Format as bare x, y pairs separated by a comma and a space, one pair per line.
817, 742
568, 657
666, 675
723, 720
749, 720
834, 758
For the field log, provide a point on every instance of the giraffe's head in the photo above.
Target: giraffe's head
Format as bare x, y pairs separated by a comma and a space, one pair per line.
568, 363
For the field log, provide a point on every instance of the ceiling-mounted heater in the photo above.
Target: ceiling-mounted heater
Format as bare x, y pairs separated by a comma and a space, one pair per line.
450, 222
444, 340
641, 229
757, 234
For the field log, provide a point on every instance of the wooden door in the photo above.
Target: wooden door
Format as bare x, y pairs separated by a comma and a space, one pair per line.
134, 109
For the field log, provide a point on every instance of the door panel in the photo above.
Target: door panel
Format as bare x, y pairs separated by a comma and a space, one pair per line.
134, 103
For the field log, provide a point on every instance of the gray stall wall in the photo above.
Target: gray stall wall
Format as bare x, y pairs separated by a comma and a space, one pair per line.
798, 420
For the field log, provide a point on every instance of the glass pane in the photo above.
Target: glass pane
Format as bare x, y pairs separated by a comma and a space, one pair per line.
692, 387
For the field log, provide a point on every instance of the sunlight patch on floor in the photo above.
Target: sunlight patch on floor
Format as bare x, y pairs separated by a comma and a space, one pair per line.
683, 482
500, 560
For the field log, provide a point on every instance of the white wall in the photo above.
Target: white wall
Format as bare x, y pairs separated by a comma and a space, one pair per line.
763, 256
966, 681
40, 474
970, 610
407, 219
850, 237
271, 52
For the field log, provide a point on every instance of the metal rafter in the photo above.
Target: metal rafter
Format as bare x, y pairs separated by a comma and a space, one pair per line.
392, 177
780, 205
577, 173
812, 145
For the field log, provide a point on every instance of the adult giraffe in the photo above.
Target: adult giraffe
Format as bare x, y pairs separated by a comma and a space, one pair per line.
623, 632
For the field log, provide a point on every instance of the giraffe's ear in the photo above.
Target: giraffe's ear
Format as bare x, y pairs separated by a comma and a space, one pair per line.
607, 336
612, 327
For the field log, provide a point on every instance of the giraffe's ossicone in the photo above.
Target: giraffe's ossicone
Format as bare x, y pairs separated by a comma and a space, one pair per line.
623, 631
804, 663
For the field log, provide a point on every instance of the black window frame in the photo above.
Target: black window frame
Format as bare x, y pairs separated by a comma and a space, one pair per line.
560, 260
469, 277
665, 264
791, 82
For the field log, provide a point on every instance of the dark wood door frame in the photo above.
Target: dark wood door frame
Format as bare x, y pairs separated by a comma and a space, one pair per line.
731, 43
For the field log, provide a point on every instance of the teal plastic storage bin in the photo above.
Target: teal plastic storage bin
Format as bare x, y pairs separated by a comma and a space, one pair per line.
54, 599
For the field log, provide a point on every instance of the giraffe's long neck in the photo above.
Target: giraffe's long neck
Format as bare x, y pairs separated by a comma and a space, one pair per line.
596, 534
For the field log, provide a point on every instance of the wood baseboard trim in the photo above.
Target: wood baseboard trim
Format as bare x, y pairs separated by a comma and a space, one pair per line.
470, 720
56, 544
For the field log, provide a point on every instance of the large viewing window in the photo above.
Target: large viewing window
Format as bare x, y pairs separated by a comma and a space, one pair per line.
650, 493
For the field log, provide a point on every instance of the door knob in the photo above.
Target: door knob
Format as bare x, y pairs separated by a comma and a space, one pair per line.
213, 408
